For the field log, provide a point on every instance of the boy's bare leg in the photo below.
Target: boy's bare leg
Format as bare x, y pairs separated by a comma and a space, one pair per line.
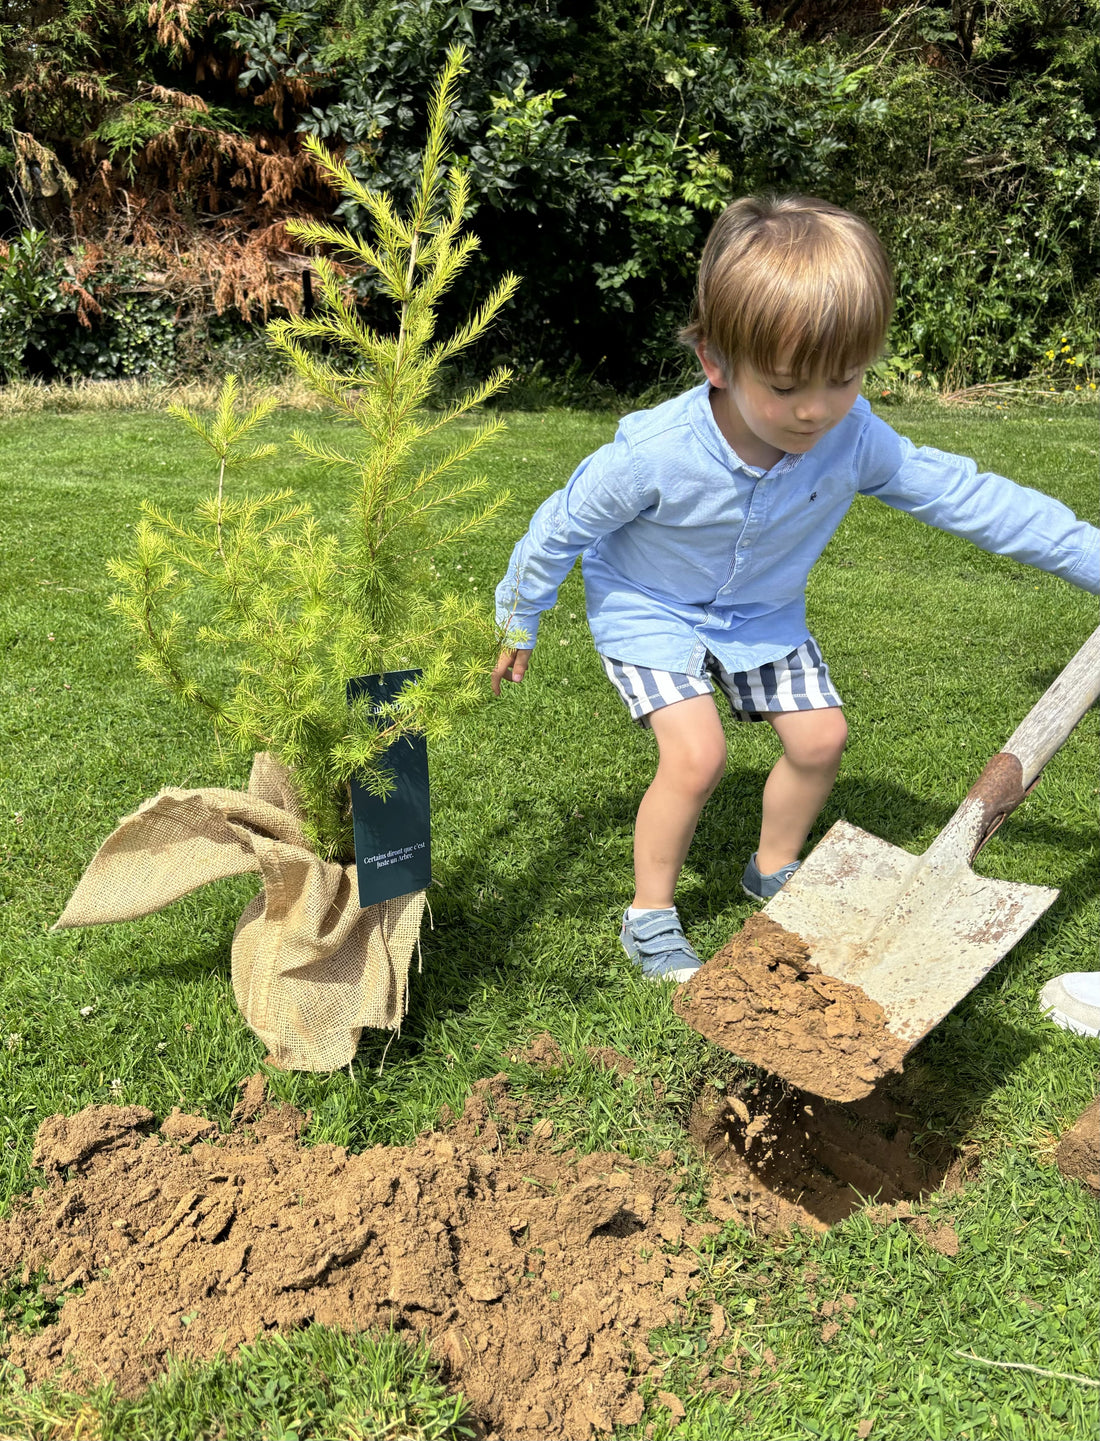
799, 783
692, 748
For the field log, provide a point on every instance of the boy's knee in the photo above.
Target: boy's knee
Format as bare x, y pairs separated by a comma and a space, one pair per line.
709, 768
707, 777
819, 745
692, 745
700, 768
833, 737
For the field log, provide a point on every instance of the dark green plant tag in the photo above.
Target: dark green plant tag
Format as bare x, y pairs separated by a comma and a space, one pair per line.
393, 837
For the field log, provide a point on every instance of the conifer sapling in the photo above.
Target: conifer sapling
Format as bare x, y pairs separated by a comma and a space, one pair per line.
290, 609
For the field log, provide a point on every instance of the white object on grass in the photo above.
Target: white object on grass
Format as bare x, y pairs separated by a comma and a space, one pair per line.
1072, 1001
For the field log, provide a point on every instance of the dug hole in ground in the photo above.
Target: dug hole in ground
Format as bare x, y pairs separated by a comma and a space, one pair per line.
537, 1275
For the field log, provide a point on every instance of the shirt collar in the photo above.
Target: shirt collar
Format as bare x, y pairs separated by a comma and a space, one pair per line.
706, 427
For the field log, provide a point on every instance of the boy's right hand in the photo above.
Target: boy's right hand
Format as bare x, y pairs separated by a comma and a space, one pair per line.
511, 666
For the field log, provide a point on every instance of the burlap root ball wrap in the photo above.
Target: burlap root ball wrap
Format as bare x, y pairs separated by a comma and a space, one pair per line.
311, 967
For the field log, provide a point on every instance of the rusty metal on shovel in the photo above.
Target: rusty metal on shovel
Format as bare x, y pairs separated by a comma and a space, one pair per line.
916, 933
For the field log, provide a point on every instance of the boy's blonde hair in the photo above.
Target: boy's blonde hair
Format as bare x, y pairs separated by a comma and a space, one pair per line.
794, 280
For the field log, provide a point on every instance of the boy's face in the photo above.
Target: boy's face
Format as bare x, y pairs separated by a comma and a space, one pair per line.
779, 411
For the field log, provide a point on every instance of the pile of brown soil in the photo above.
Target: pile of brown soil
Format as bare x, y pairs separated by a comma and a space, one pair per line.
542, 1052
1078, 1153
536, 1277
763, 999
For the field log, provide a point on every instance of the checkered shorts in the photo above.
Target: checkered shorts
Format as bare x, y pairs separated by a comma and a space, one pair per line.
799, 681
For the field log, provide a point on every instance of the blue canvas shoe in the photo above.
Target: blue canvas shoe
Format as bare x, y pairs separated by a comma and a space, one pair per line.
762, 888
657, 945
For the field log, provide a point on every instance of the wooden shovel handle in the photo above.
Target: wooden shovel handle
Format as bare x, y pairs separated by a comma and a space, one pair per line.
1049, 721
1015, 770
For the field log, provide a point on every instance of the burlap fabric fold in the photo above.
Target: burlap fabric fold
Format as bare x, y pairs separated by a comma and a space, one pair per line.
310, 967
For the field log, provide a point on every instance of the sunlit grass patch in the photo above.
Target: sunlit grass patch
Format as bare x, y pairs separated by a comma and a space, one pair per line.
313, 1385
938, 651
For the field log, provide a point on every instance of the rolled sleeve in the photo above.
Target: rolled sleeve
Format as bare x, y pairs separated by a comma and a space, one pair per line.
950, 493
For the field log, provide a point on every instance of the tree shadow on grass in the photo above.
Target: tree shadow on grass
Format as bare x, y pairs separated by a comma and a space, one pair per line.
574, 861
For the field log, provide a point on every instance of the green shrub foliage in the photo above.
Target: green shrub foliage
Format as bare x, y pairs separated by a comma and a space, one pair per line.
55, 323
600, 139
32, 301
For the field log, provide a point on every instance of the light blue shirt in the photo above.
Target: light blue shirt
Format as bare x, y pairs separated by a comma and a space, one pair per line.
686, 549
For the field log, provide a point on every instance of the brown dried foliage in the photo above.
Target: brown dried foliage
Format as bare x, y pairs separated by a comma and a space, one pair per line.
207, 218
52, 175
198, 211
220, 268
296, 89
179, 98
81, 269
178, 21
51, 91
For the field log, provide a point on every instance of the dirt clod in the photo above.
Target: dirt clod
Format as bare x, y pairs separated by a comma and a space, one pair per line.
64, 1141
762, 998
535, 1276
252, 1089
607, 1058
542, 1051
673, 1403
187, 1129
1078, 1153
942, 1238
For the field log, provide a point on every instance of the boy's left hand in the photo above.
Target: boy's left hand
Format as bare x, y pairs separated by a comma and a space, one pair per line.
511, 665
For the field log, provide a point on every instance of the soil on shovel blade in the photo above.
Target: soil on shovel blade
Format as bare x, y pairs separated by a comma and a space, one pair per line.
536, 1276
762, 998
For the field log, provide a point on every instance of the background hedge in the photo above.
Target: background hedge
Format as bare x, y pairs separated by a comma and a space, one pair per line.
151, 155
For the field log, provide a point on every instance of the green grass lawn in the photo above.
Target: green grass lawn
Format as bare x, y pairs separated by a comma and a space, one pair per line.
938, 649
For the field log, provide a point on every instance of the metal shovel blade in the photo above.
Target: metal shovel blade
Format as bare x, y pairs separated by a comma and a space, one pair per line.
916, 933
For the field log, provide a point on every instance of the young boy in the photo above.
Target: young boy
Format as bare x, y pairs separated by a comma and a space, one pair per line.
699, 523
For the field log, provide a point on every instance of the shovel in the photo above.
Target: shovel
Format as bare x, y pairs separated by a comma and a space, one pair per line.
916, 933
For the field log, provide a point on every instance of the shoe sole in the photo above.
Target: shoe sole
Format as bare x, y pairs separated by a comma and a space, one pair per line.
1070, 1023
679, 976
